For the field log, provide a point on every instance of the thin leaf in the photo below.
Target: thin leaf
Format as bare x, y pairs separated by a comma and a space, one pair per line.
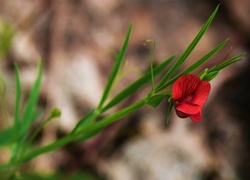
88, 135
84, 121
88, 129
227, 62
155, 100
195, 65
170, 107
129, 90
135, 86
120, 114
115, 68
186, 53
151, 61
7, 136
29, 110
203, 74
18, 99
210, 75
214, 71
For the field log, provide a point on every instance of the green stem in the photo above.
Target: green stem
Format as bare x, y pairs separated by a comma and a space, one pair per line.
14, 155
87, 120
87, 129
120, 114
39, 129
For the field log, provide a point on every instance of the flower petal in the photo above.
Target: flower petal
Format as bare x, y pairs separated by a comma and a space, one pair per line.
185, 86
201, 94
181, 114
196, 118
188, 108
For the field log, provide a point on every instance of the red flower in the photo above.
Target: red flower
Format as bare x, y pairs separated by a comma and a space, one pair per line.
190, 94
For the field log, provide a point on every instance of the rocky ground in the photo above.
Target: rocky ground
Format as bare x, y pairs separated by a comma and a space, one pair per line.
75, 38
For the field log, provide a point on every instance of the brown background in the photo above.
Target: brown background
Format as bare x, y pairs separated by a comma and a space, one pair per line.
75, 40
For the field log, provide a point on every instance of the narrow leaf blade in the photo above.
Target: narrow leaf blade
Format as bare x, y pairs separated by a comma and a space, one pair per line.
7, 136
155, 100
138, 84
31, 102
18, 98
115, 68
187, 52
170, 107
228, 62
85, 120
195, 65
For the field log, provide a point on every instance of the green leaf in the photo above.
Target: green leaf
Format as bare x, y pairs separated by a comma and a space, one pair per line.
195, 65
7, 136
87, 130
202, 60
18, 99
210, 75
32, 153
138, 84
29, 111
88, 135
115, 69
186, 53
85, 121
154, 101
227, 63
170, 107
203, 74
151, 61
129, 90
214, 71
120, 114
54, 113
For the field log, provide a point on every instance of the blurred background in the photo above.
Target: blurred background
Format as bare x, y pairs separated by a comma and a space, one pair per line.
75, 40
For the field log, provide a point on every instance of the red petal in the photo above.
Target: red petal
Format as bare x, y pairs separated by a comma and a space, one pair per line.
188, 108
201, 94
181, 114
196, 118
184, 86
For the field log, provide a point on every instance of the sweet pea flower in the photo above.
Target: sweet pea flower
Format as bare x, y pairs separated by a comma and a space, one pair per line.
190, 94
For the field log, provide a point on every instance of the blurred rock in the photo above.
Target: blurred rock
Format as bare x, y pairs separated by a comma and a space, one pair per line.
165, 155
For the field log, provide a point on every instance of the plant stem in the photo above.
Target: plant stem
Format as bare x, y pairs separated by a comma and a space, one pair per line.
87, 129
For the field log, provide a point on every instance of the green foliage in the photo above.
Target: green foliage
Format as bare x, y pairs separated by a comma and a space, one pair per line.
20, 138
170, 107
138, 84
196, 64
18, 101
7, 136
154, 101
78, 175
214, 71
183, 57
115, 69
85, 120
30, 106
151, 61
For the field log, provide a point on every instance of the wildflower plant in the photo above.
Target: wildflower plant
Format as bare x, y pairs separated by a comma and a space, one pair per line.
186, 93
